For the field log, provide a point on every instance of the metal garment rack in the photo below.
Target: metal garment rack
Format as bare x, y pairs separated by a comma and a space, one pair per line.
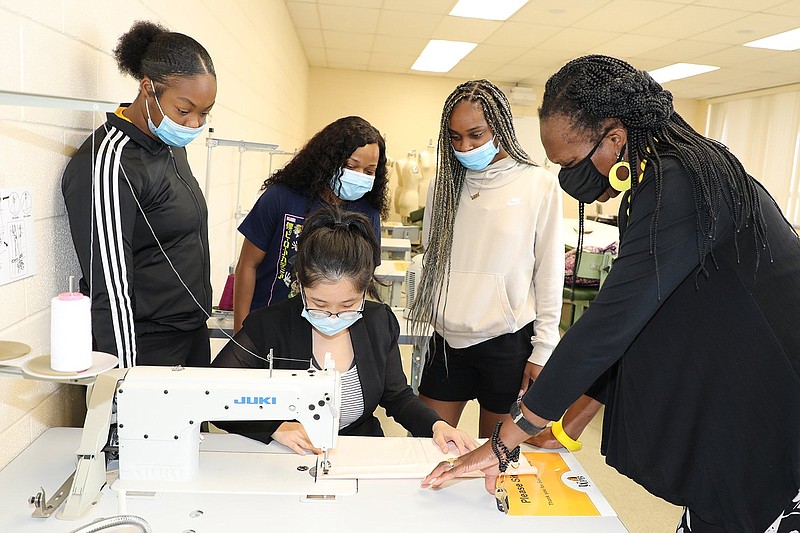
243, 146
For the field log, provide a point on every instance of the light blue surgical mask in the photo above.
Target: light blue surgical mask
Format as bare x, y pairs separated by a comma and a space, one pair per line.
351, 185
170, 131
329, 323
478, 158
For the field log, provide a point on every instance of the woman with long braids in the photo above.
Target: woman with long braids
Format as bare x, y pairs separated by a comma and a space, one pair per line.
344, 164
692, 343
494, 261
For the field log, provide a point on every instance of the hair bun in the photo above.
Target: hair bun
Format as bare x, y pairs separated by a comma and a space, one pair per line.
133, 44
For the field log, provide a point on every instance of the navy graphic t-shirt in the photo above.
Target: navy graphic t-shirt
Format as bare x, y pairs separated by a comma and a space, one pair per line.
273, 225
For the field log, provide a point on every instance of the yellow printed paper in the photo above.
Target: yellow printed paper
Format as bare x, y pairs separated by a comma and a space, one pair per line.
555, 491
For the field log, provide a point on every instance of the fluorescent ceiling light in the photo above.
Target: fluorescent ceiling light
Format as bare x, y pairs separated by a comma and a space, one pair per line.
485, 9
441, 56
680, 70
788, 40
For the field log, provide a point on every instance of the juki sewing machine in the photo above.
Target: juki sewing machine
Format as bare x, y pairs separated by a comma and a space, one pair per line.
159, 411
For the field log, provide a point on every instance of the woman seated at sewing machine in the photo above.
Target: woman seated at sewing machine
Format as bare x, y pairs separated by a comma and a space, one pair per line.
335, 261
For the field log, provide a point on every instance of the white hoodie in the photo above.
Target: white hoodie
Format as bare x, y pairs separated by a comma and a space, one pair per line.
507, 259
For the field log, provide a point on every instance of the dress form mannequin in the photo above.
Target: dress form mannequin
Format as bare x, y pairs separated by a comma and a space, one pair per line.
393, 181
398, 171
409, 192
427, 167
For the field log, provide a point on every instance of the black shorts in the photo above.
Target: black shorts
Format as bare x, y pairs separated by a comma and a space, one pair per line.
490, 371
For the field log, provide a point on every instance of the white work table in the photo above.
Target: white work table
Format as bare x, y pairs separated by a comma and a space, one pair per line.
379, 505
595, 233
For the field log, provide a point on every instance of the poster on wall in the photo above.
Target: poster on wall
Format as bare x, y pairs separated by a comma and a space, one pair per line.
17, 241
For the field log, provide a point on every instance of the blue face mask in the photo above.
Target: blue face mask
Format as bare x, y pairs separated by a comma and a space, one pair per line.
478, 158
330, 325
327, 323
351, 185
170, 131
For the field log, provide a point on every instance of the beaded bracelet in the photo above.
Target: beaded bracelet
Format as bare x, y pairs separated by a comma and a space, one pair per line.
501, 451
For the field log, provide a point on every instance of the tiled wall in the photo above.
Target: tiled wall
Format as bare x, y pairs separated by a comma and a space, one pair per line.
63, 48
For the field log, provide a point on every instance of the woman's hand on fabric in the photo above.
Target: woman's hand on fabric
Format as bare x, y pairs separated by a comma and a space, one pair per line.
444, 433
529, 376
481, 458
294, 436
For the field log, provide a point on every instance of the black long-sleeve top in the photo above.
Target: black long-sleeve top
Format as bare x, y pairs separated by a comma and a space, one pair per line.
700, 376
134, 289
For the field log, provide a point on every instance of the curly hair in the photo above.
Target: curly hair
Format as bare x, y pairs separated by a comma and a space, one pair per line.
151, 50
592, 89
325, 154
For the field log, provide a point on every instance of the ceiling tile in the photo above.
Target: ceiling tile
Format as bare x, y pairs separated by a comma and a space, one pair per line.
561, 13
341, 40
518, 34
628, 45
749, 28
688, 21
791, 9
394, 61
472, 70
464, 29
352, 19
348, 57
388, 35
304, 15
438, 7
742, 5
734, 56
578, 42
495, 54
683, 51
399, 45
351, 3
407, 24
625, 15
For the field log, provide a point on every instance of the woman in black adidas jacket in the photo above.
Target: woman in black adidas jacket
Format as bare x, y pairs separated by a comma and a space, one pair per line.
134, 207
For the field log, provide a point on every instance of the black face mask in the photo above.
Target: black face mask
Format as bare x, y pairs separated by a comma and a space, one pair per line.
583, 181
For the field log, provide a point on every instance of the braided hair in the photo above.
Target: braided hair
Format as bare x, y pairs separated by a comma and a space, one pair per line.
325, 154
592, 89
447, 193
151, 50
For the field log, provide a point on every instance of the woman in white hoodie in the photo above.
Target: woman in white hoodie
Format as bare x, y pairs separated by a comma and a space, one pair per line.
494, 262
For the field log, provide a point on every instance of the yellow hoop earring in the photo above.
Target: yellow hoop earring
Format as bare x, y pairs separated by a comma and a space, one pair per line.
618, 183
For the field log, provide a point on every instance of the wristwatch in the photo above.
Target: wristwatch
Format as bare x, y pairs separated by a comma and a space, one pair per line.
519, 419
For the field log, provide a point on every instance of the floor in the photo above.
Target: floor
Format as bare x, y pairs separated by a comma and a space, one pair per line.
638, 510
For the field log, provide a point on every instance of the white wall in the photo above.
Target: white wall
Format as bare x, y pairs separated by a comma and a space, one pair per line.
63, 47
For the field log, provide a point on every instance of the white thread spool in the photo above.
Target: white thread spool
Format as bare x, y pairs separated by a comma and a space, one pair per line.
70, 332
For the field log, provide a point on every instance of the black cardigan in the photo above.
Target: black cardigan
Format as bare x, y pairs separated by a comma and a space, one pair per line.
281, 328
700, 375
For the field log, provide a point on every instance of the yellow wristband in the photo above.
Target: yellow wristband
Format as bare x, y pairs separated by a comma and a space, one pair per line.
565, 440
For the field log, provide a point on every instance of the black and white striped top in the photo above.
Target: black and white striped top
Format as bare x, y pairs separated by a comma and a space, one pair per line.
352, 397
